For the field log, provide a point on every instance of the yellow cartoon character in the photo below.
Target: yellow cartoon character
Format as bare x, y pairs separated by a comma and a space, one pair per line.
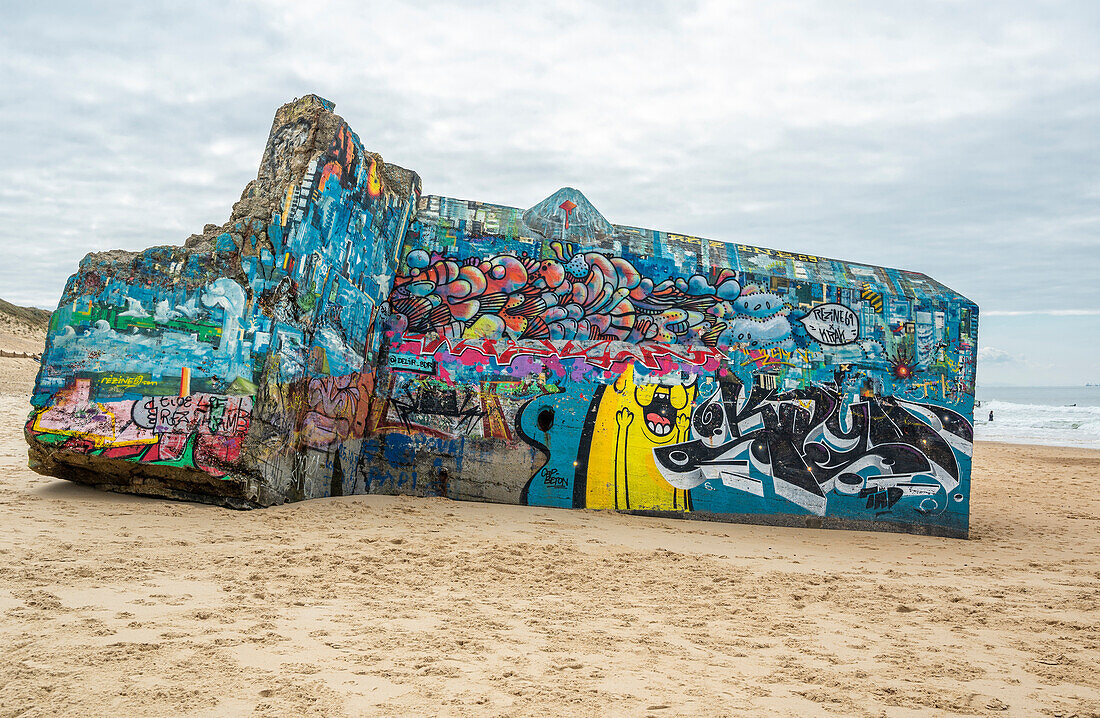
632, 419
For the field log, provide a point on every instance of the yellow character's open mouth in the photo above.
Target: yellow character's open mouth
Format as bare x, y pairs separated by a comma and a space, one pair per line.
660, 407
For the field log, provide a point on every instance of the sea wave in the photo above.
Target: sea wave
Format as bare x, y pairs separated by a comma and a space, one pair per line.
1038, 424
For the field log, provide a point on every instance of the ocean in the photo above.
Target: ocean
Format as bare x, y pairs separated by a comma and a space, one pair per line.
1039, 415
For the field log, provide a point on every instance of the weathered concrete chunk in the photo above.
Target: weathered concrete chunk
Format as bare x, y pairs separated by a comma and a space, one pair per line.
342, 334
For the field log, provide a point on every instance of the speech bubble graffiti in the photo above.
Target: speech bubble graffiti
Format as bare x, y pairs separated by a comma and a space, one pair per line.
832, 324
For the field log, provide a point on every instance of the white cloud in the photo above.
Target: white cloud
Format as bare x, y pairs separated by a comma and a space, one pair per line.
993, 355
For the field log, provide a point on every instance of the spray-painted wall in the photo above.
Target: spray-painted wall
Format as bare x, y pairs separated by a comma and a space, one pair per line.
364, 339
193, 363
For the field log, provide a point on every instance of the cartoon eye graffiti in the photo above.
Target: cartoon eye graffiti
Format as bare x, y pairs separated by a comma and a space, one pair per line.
545, 419
680, 458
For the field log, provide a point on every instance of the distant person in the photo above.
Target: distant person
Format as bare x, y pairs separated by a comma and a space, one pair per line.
991, 417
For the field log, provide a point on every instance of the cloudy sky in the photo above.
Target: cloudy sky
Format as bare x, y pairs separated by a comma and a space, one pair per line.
958, 139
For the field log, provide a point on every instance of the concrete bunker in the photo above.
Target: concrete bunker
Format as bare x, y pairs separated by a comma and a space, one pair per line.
345, 334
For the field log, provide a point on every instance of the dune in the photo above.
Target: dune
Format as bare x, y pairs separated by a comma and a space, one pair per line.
375, 605
22, 329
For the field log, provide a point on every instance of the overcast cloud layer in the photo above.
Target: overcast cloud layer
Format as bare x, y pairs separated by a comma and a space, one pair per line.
957, 139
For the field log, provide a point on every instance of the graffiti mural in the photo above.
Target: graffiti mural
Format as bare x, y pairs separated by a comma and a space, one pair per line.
697, 376
344, 334
810, 448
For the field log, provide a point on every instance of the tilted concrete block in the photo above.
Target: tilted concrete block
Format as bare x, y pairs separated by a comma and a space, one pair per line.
343, 334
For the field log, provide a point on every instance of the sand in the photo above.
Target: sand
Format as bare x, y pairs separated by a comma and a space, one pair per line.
17, 337
401, 606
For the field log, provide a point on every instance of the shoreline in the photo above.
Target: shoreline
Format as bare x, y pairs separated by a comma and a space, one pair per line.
1023, 443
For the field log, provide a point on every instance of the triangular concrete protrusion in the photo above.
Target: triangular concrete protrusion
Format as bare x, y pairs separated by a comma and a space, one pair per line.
567, 215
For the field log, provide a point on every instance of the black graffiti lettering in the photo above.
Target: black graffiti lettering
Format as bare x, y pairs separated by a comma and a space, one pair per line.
432, 401
885, 442
835, 316
551, 477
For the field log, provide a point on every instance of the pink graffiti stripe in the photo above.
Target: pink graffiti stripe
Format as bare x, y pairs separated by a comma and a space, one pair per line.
603, 354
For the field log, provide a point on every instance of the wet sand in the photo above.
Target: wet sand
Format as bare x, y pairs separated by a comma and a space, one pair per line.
374, 605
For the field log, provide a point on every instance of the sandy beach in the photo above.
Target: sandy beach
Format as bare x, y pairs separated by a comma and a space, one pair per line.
403, 606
